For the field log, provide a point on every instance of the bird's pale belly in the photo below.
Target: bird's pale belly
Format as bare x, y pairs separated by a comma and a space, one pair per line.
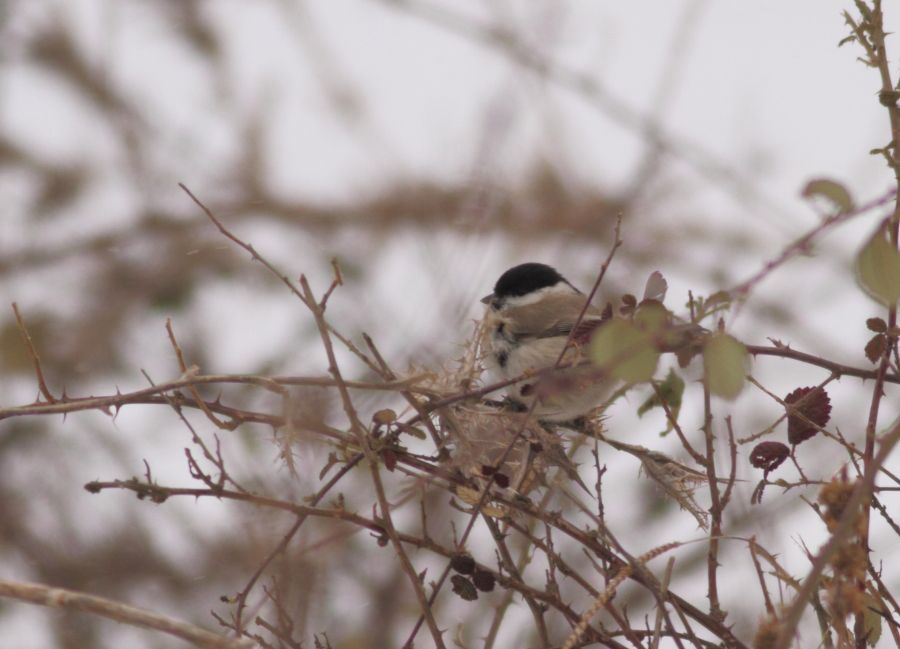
562, 395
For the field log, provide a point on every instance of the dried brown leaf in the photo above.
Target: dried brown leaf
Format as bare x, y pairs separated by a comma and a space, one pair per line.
813, 407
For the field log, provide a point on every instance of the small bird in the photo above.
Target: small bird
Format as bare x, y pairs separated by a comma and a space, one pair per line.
530, 318
532, 324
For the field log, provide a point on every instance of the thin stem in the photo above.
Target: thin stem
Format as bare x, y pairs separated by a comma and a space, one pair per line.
32, 352
715, 510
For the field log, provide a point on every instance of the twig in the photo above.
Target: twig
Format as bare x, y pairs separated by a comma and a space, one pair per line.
388, 374
337, 280
286, 539
617, 243
131, 615
803, 243
159, 493
660, 612
588, 539
715, 509
673, 421
872, 38
611, 587
277, 273
513, 571
372, 459
732, 475
810, 359
274, 384
215, 459
759, 573
884, 596
32, 352
185, 371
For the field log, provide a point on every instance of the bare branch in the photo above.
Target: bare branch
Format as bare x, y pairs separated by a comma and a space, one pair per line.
131, 615
32, 352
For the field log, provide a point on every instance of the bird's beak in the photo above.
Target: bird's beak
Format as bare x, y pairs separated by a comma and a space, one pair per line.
487, 299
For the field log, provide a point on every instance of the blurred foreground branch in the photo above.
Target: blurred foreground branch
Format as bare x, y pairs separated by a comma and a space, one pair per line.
62, 598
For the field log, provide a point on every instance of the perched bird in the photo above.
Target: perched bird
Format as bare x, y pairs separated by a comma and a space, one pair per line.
532, 324
529, 319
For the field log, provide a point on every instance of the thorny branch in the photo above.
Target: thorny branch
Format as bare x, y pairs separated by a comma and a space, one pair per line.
518, 513
870, 34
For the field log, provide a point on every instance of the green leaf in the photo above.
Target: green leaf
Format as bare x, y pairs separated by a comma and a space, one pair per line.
872, 619
670, 393
625, 351
651, 316
413, 431
878, 268
725, 365
384, 417
831, 191
718, 301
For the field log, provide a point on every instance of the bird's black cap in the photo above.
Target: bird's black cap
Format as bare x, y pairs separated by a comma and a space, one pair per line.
526, 278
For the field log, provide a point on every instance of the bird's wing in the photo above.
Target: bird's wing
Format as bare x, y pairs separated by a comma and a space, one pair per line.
555, 315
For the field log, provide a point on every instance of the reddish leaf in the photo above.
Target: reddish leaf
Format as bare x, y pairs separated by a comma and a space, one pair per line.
463, 587
877, 325
483, 580
390, 459
629, 302
875, 347
463, 564
813, 405
769, 455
